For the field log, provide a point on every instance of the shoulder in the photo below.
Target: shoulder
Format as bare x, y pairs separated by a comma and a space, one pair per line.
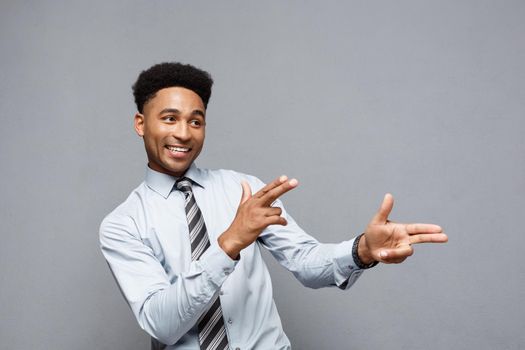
125, 216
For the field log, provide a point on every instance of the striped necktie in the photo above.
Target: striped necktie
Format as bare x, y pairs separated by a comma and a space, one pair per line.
212, 332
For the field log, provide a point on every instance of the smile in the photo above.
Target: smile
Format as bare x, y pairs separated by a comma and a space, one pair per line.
178, 149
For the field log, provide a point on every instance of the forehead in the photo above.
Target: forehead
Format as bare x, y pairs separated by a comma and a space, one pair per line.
175, 97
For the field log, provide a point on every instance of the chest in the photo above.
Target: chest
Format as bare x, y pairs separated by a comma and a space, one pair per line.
164, 227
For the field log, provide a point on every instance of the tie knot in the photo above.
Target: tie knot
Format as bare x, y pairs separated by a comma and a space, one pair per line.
184, 185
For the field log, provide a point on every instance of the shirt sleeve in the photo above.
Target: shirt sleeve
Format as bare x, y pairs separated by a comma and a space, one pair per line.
165, 309
313, 263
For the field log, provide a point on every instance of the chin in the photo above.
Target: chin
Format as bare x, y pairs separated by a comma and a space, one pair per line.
178, 171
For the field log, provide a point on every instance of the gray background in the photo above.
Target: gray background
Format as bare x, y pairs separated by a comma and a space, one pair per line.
424, 99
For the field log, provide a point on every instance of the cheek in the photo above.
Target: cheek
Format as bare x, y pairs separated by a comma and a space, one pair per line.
154, 135
201, 137
151, 142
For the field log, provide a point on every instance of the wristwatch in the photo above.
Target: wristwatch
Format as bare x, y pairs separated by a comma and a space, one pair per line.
355, 255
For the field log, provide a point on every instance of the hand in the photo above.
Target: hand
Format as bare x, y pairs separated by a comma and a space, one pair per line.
389, 242
254, 214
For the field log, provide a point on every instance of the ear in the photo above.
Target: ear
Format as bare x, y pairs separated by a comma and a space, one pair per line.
139, 124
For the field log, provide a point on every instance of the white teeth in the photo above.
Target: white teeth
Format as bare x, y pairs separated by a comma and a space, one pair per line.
178, 149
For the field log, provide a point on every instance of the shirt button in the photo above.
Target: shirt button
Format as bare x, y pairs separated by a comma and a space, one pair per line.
237, 348
221, 293
230, 321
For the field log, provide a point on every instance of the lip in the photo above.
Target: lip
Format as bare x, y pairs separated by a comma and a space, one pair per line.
179, 146
178, 154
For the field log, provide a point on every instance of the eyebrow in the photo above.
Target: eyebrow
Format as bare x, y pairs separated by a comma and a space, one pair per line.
176, 111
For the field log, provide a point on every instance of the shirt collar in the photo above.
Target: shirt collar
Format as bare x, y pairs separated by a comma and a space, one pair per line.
163, 184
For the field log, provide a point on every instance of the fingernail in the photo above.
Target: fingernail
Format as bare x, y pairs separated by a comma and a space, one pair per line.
383, 254
283, 178
293, 182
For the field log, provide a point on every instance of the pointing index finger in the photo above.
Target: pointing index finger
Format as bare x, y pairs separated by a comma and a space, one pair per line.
270, 186
269, 197
423, 228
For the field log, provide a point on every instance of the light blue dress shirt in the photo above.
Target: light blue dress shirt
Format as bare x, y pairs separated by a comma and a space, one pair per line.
146, 243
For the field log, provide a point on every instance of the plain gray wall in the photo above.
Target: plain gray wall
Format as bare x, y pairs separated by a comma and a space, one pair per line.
425, 99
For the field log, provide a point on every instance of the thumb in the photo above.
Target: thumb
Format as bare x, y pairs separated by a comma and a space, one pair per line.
246, 192
381, 216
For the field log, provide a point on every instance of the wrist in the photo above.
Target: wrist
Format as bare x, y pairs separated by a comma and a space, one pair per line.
228, 245
361, 254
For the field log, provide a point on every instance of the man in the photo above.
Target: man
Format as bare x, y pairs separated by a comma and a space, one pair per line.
184, 247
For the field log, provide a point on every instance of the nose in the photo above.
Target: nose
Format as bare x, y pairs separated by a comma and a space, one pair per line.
181, 132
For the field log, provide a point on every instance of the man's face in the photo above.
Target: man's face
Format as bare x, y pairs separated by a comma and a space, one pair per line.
172, 126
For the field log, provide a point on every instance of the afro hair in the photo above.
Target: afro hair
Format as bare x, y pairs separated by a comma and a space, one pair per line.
169, 74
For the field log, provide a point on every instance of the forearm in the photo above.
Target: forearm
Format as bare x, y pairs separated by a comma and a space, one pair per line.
314, 264
165, 306
327, 265
171, 312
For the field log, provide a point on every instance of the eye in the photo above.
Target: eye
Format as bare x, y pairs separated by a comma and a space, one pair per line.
169, 118
195, 122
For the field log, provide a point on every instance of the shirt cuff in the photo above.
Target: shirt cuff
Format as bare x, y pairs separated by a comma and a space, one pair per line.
217, 264
343, 256
347, 271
